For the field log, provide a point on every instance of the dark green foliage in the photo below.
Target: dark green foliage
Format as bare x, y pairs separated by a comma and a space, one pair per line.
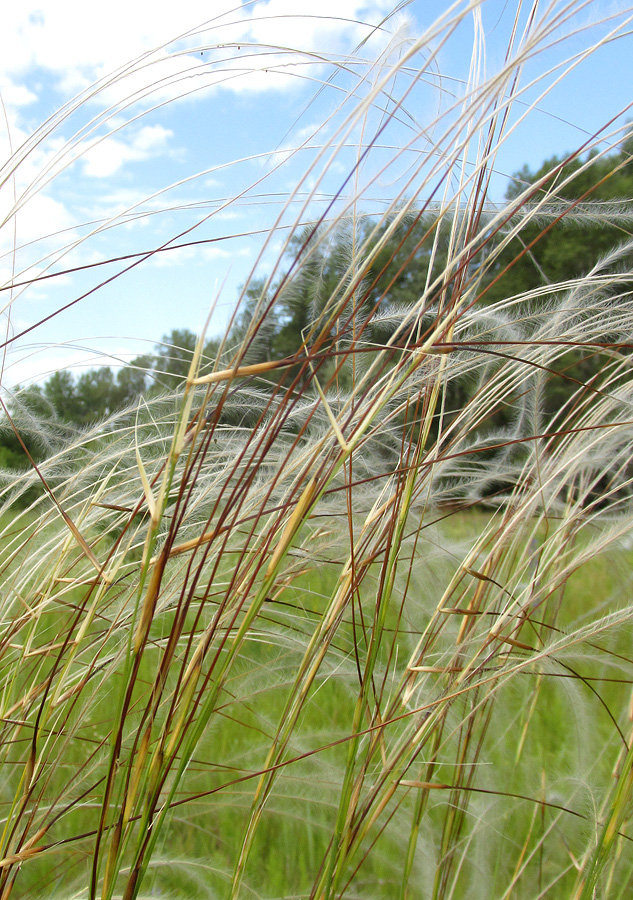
61, 393
556, 252
43, 415
30, 406
132, 381
553, 252
173, 358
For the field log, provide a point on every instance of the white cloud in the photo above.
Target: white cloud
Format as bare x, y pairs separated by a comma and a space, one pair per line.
41, 226
107, 156
220, 253
48, 219
176, 257
15, 95
314, 25
78, 42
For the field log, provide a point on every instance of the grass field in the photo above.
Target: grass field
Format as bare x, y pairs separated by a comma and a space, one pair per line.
353, 621
537, 763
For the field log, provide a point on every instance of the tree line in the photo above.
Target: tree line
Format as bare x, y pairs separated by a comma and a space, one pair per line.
545, 251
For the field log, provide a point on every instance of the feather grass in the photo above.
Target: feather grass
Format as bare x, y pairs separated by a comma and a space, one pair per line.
249, 644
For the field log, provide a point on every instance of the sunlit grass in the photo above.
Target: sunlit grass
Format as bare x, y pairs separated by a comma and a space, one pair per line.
547, 754
308, 626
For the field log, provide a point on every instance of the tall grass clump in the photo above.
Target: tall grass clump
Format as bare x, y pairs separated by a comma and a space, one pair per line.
353, 621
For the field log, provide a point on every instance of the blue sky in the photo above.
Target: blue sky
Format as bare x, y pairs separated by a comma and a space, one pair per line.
124, 127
